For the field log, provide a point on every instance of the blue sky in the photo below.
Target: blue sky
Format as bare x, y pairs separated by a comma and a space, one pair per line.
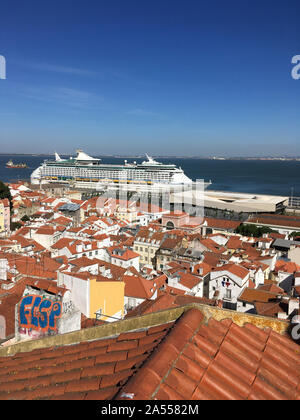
194, 78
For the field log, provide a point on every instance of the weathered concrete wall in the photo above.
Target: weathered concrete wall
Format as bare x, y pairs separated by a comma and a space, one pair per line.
2, 327
145, 321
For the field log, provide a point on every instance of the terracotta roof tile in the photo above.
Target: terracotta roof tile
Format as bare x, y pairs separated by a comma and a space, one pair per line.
162, 361
268, 392
75, 396
101, 343
130, 363
113, 356
159, 328
181, 383
151, 338
205, 345
234, 365
219, 389
102, 394
190, 368
132, 335
282, 384
192, 358
141, 349
201, 394
122, 345
229, 377
98, 370
240, 355
236, 340
115, 379
199, 356
222, 361
85, 384
165, 392
143, 386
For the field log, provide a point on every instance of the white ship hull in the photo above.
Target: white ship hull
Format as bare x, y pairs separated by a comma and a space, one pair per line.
87, 173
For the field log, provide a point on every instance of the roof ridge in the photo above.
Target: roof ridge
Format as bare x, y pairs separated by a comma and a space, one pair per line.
154, 361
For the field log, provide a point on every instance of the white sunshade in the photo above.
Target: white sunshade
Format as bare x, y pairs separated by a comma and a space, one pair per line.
83, 156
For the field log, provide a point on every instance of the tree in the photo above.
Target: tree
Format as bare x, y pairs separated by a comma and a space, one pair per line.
295, 234
5, 193
252, 230
15, 226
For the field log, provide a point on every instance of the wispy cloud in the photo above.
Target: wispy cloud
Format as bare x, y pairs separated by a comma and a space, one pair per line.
139, 112
65, 96
59, 69
103, 73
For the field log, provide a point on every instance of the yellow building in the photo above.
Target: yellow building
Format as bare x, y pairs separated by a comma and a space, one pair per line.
1, 217
106, 298
4, 215
147, 244
127, 214
96, 296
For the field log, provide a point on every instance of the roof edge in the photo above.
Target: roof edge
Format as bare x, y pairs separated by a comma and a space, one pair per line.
142, 322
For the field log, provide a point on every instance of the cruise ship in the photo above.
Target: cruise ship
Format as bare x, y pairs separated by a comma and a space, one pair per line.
88, 172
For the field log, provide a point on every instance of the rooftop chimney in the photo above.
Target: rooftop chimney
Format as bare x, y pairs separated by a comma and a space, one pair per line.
293, 306
3, 269
79, 248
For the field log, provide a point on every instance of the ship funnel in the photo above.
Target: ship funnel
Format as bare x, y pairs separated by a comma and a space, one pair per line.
57, 157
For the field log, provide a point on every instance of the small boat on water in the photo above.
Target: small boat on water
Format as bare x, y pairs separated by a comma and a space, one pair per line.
11, 164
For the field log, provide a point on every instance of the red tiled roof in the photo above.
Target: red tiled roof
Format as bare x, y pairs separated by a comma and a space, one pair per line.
62, 243
148, 306
61, 220
201, 269
47, 285
189, 280
275, 220
82, 262
257, 295
138, 287
286, 266
272, 288
46, 230
166, 301
194, 358
170, 243
127, 255
218, 360
175, 214
235, 269
270, 309
222, 223
9, 298
234, 242
213, 259
89, 370
212, 246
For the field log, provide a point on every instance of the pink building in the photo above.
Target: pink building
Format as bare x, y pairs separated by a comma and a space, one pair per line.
6, 214
175, 219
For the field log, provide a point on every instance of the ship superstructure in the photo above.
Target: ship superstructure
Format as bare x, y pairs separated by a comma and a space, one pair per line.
87, 171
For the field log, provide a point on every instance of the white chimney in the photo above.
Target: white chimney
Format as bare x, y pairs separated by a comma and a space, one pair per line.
3, 269
282, 315
293, 306
79, 248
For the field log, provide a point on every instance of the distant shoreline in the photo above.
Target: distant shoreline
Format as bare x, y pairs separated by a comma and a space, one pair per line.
277, 159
